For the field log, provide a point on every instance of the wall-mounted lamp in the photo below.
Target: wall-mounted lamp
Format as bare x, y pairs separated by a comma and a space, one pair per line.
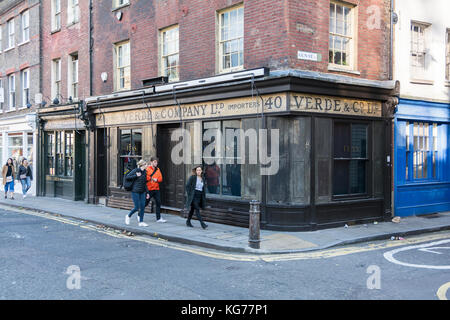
104, 76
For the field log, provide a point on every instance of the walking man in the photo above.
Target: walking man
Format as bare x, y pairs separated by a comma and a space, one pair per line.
154, 178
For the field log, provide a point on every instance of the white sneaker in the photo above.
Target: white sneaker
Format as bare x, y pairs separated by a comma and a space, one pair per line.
137, 217
161, 220
143, 224
127, 219
24, 196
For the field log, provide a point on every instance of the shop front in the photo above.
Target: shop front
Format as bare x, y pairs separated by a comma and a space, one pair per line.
62, 153
315, 154
17, 136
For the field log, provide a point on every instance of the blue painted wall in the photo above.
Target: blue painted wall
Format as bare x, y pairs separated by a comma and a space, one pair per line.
432, 194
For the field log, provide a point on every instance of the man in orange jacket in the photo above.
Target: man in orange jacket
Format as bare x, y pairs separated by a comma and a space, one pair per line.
154, 178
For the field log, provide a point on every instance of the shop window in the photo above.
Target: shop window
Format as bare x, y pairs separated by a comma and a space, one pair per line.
15, 148
68, 155
51, 154
59, 153
30, 147
421, 150
130, 151
350, 158
231, 39
221, 157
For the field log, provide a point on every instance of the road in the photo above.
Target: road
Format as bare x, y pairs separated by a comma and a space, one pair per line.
57, 258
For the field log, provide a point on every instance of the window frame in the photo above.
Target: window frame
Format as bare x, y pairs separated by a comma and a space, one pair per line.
164, 64
118, 67
73, 11
56, 77
117, 4
12, 92
73, 76
221, 42
352, 60
25, 24
56, 16
415, 73
25, 87
11, 33
367, 160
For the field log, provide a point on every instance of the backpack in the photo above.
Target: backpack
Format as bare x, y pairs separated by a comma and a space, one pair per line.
128, 184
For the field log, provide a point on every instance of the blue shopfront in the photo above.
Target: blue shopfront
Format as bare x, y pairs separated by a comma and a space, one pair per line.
421, 158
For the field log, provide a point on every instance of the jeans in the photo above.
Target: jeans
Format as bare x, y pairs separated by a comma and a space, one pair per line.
10, 186
156, 194
195, 206
26, 185
139, 204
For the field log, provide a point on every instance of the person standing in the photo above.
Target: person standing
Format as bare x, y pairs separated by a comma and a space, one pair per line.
154, 178
138, 192
196, 196
25, 176
9, 174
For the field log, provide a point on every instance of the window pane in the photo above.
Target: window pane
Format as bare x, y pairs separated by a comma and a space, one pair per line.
341, 177
359, 141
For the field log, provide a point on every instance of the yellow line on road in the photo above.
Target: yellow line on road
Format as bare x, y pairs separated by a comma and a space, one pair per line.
319, 254
442, 291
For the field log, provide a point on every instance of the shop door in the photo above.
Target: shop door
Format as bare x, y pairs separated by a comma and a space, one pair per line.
172, 188
102, 172
80, 165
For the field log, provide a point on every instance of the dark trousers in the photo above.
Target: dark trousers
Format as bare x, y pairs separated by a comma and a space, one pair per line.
139, 204
195, 206
156, 194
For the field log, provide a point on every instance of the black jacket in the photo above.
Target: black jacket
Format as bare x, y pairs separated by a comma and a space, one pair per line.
190, 191
140, 183
24, 171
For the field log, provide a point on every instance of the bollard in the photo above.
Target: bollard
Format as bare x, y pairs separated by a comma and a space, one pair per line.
253, 226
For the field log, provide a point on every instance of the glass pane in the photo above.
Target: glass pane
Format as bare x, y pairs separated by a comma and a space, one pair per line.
341, 177
357, 176
342, 143
359, 141
332, 17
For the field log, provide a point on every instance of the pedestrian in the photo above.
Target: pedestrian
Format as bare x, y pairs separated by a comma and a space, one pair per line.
154, 178
9, 175
138, 192
25, 176
196, 196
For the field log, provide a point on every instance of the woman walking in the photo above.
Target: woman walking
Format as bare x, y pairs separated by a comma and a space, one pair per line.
9, 175
25, 176
138, 192
196, 196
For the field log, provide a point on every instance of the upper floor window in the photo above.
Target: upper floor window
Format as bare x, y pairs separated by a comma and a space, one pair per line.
170, 53
122, 70
25, 81
25, 19
1, 31
447, 57
56, 78
341, 35
12, 91
418, 63
2, 95
120, 3
73, 76
231, 39
11, 34
73, 11
56, 15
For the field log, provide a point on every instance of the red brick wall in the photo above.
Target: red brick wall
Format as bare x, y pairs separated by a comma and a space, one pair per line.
70, 39
275, 30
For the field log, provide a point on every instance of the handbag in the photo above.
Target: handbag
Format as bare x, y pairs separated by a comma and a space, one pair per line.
9, 179
23, 176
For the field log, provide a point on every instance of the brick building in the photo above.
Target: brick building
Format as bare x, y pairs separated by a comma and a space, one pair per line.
315, 74
19, 80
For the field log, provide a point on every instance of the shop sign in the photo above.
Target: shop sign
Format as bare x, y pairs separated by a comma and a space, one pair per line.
334, 105
214, 109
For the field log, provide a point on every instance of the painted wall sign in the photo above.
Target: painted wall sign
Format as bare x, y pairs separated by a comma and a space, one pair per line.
213, 109
334, 105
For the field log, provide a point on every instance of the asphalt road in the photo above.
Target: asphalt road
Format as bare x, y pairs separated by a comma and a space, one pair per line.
44, 258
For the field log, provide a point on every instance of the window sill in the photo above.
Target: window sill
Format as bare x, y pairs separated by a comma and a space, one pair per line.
21, 44
421, 81
55, 31
9, 49
10, 110
73, 23
120, 7
340, 69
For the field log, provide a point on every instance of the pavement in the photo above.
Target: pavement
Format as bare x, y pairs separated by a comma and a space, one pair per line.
231, 238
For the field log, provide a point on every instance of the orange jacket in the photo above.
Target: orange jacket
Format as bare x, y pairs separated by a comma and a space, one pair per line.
152, 185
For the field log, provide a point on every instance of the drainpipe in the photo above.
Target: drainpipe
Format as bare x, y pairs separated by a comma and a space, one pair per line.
88, 133
391, 41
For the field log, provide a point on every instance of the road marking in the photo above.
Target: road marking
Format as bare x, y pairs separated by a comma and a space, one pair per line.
442, 291
390, 255
246, 257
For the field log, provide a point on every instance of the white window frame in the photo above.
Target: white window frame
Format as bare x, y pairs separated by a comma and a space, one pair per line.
122, 66
72, 76
447, 55
56, 15
418, 50
73, 11
25, 23
169, 38
339, 37
11, 34
1, 38
25, 84
56, 78
2, 96
231, 40
11, 92
120, 3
